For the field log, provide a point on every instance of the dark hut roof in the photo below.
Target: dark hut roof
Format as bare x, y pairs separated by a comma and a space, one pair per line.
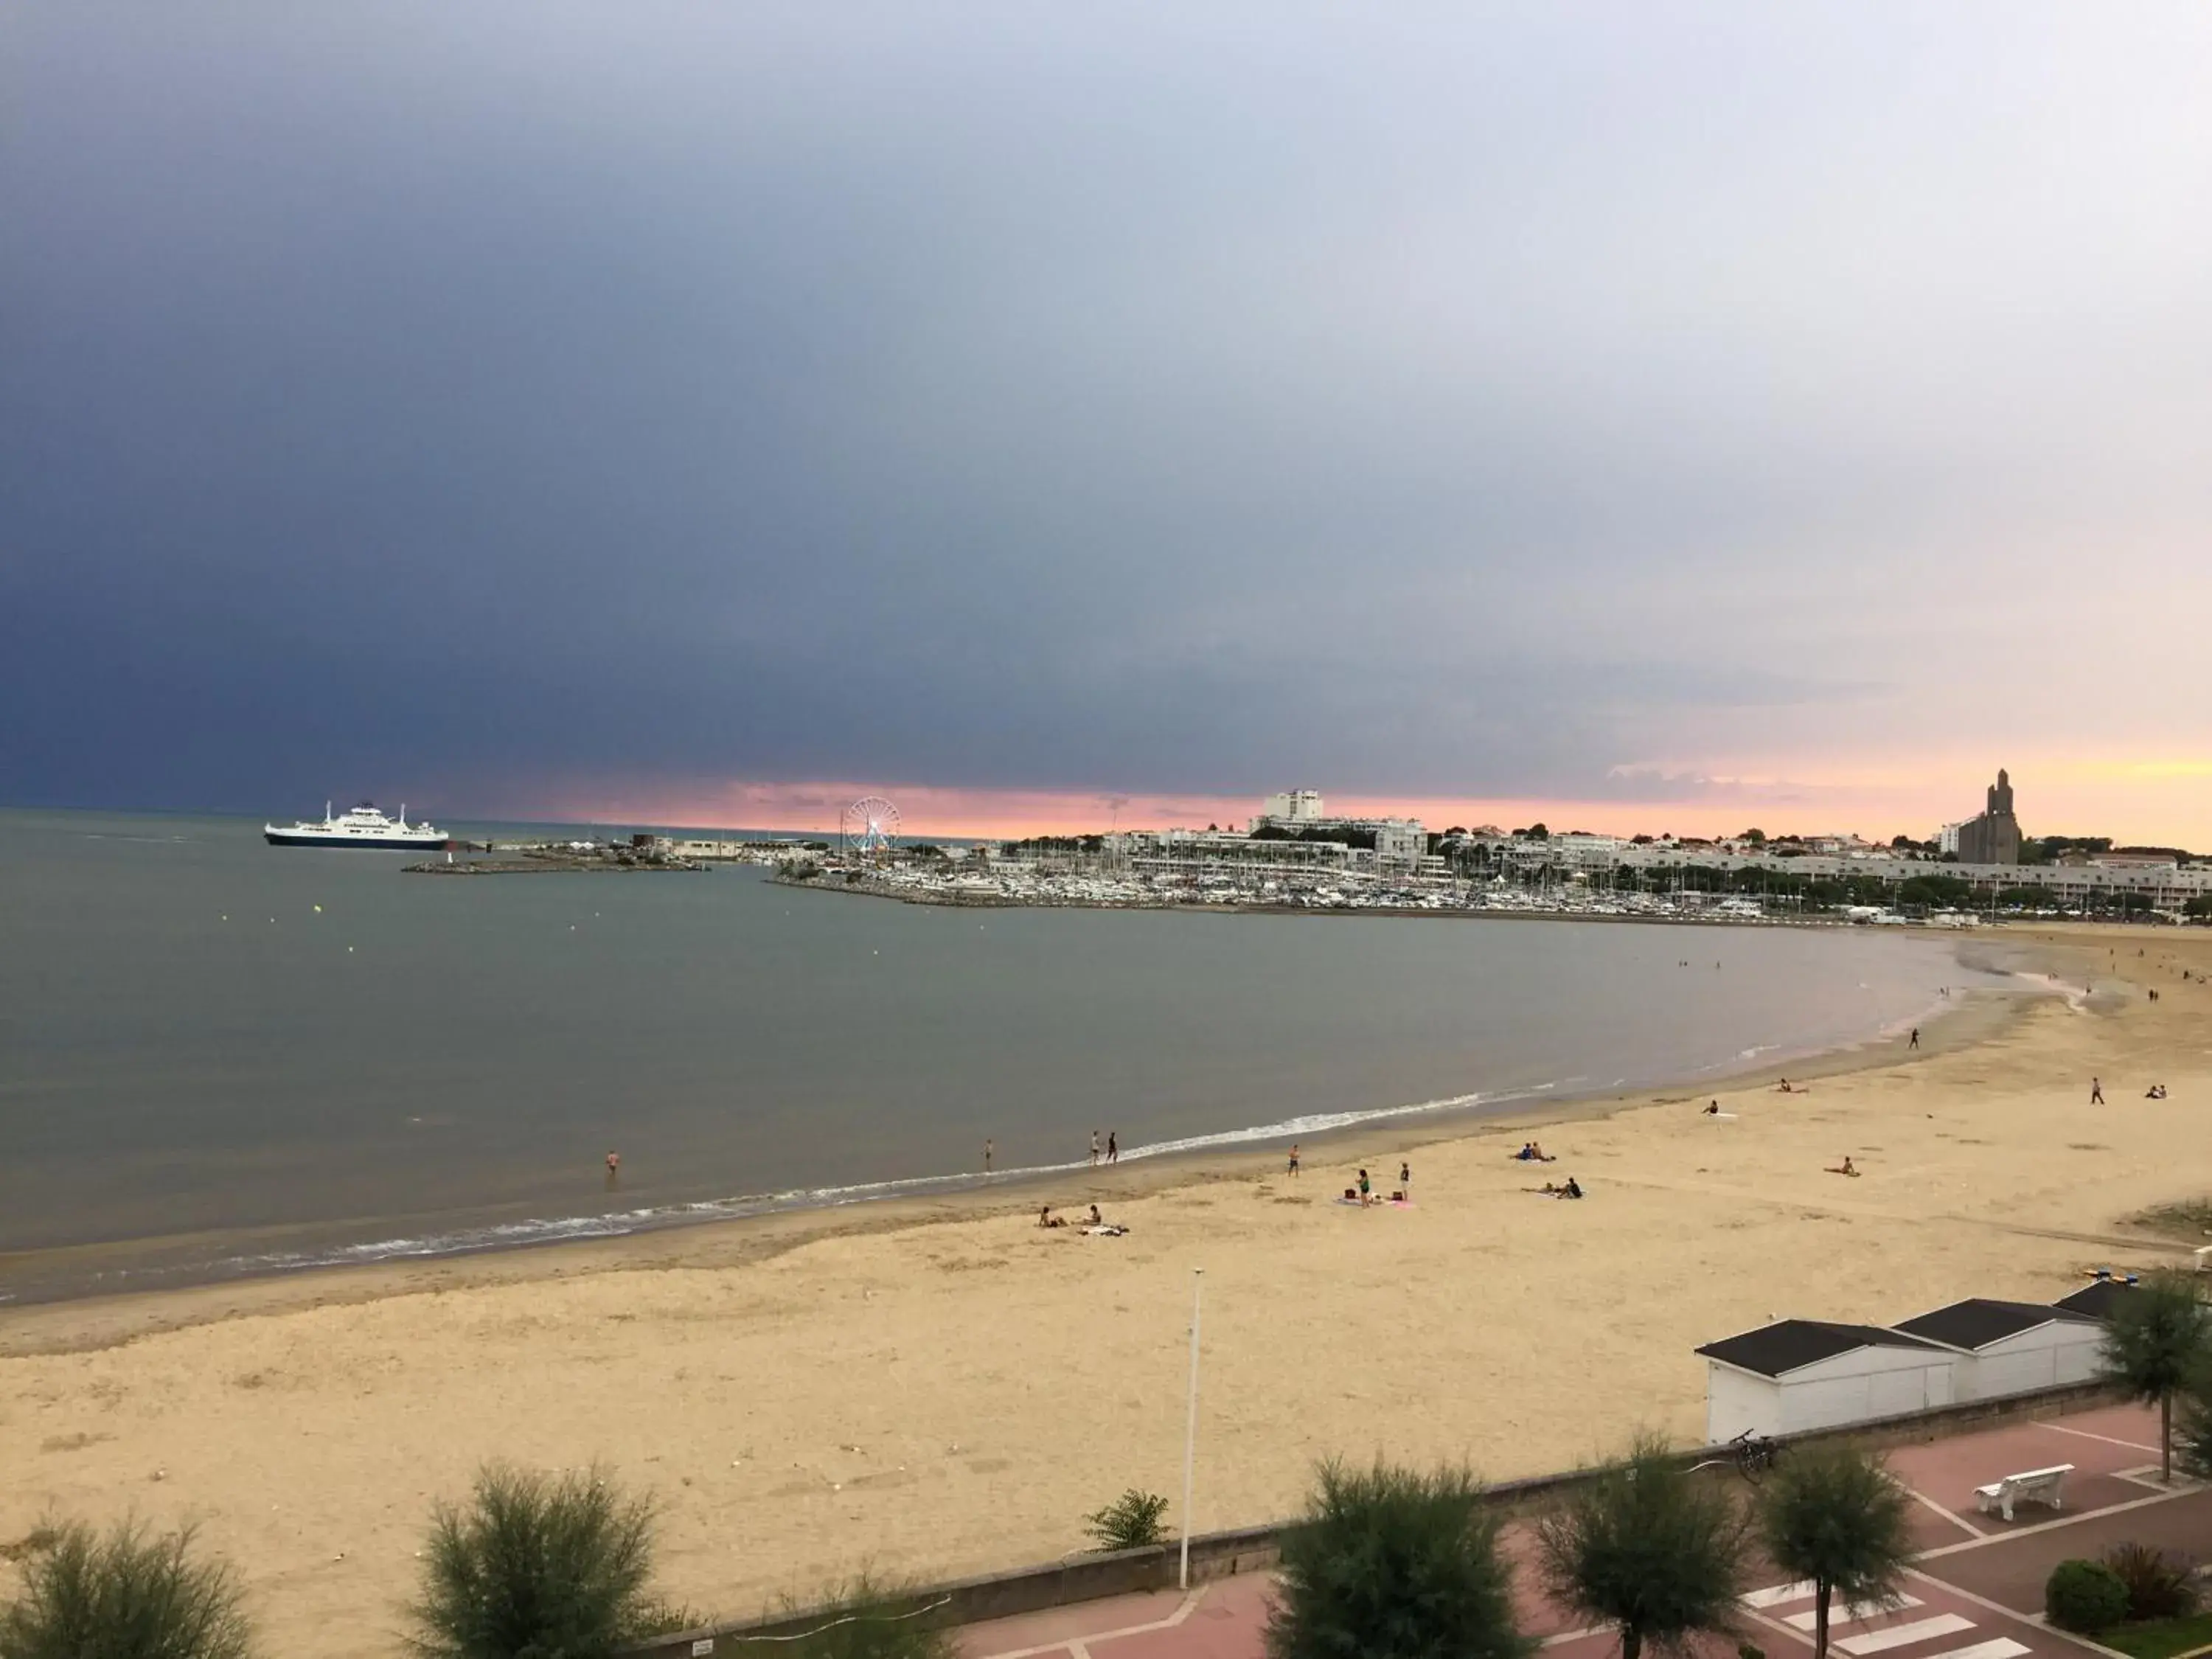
1978, 1321
1790, 1345
2094, 1300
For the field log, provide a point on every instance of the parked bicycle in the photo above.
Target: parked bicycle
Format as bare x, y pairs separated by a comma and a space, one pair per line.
1750, 1453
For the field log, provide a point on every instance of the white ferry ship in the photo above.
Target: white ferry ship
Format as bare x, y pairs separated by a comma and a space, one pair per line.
364, 826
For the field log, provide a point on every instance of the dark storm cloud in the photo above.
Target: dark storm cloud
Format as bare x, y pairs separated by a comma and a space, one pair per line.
1458, 400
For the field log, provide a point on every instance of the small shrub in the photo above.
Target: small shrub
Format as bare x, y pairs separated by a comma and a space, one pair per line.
865, 1619
2159, 1585
127, 1595
1131, 1521
1749, 1651
2085, 1596
537, 1566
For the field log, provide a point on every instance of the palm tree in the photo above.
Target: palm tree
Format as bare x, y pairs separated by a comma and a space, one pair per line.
536, 1566
122, 1597
1392, 1564
1834, 1514
1648, 1546
2158, 1334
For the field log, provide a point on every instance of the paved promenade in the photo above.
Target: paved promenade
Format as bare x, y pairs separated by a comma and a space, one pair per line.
1976, 1592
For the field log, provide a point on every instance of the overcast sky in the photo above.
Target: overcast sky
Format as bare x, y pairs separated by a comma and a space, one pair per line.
1654, 414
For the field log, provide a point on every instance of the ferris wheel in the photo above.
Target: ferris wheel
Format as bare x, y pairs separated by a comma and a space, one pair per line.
868, 825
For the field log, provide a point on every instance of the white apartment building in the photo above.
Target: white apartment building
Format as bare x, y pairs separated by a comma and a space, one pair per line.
1291, 806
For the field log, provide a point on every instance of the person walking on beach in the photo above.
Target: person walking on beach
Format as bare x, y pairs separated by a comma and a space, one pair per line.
2096, 1092
1094, 1148
1294, 1160
1113, 1146
1915, 1043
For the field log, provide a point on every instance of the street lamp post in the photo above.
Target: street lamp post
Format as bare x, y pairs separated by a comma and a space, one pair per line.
1190, 1425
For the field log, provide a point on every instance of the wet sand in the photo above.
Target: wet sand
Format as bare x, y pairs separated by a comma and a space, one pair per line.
942, 1387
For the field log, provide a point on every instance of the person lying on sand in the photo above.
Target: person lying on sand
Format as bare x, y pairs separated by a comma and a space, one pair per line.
1844, 1169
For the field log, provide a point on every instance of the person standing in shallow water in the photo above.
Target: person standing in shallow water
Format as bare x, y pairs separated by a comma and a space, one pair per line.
986, 1156
1094, 1145
1113, 1146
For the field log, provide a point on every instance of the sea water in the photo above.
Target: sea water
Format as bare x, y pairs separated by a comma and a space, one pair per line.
217, 1057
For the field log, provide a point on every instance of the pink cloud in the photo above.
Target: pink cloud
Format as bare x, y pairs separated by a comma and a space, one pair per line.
2151, 799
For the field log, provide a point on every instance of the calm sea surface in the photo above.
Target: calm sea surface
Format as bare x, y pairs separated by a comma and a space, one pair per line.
218, 1057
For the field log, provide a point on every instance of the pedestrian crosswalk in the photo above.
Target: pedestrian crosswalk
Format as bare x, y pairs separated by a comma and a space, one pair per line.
1861, 1632
1838, 1616
1885, 1637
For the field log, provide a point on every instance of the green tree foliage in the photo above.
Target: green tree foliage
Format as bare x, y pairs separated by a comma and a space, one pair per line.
128, 1595
2199, 909
2156, 1346
1647, 1546
1833, 1514
1130, 1521
1935, 891
1394, 1564
537, 1567
2087, 1596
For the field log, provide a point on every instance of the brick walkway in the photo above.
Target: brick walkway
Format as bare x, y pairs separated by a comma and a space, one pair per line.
1976, 1593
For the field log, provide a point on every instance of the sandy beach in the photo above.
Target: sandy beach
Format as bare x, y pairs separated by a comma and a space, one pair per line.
945, 1388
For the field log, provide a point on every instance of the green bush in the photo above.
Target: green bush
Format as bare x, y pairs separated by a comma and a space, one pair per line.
2087, 1596
1131, 1521
128, 1595
535, 1567
1394, 1564
865, 1619
2159, 1585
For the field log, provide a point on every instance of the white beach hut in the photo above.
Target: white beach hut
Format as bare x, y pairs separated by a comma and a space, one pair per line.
1809, 1374
2011, 1347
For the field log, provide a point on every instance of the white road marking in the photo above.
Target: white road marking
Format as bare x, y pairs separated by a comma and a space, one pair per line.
2003, 1648
1904, 1636
1781, 1592
1839, 1617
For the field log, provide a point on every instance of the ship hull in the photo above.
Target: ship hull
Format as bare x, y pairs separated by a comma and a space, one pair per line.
389, 842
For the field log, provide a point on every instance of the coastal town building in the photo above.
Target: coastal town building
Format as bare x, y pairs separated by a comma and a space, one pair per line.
1993, 835
1291, 806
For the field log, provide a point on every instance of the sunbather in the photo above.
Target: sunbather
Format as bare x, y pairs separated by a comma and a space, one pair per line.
1047, 1218
1573, 1188
1844, 1169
